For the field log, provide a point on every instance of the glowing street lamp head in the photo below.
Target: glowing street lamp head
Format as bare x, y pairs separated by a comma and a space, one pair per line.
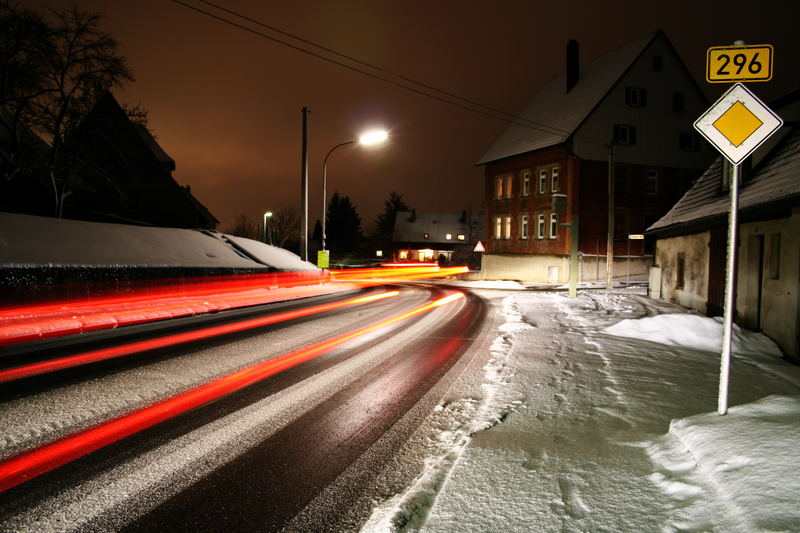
373, 137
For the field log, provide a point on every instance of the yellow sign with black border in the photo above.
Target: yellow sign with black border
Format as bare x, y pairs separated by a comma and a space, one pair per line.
730, 64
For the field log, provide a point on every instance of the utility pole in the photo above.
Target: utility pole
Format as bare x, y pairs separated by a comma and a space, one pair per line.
304, 190
610, 243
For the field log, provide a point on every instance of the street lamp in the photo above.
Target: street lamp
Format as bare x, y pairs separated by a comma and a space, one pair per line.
369, 138
267, 215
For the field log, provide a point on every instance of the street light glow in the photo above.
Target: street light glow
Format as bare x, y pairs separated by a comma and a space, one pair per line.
373, 137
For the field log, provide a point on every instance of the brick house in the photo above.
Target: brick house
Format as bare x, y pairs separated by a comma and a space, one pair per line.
633, 106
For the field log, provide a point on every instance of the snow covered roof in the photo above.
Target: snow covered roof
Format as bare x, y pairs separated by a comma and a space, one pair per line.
554, 115
775, 178
410, 226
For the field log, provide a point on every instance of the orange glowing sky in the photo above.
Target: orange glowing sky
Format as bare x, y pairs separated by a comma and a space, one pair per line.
226, 104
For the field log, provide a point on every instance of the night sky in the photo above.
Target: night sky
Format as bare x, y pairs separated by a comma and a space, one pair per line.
226, 104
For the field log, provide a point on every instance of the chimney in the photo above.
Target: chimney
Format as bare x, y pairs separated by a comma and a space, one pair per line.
573, 64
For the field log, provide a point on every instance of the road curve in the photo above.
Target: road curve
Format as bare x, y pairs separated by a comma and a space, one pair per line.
316, 419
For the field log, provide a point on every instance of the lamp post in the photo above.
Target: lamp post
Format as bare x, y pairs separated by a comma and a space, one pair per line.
370, 138
267, 214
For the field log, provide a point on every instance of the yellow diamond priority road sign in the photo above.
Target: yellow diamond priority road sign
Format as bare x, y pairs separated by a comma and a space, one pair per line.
738, 123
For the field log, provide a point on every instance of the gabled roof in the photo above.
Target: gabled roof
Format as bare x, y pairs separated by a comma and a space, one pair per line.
410, 226
775, 179
555, 115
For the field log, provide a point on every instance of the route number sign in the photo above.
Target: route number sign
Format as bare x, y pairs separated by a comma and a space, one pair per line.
728, 64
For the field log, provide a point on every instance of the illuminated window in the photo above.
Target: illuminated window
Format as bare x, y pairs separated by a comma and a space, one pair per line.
461, 237
553, 225
449, 236
523, 226
403, 254
498, 187
507, 228
426, 236
508, 186
378, 253
526, 183
542, 181
540, 227
554, 180
498, 227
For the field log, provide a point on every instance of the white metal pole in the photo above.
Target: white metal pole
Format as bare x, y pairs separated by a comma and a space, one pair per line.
730, 278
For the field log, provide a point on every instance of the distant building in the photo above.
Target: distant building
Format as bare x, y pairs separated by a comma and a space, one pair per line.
444, 237
691, 244
634, 106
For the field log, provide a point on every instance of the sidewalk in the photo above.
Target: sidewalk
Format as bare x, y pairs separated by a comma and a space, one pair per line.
595, 431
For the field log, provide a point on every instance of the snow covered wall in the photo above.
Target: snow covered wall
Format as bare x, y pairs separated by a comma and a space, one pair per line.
43, 257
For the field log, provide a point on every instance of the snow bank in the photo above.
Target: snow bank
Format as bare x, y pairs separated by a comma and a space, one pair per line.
747, 459
693, 331
30, 241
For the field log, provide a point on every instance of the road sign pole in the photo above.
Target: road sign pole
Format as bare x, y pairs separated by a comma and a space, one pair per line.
730, 277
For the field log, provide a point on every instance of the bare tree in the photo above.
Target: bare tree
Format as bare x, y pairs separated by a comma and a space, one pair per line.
71, 65
243, 226
285, 224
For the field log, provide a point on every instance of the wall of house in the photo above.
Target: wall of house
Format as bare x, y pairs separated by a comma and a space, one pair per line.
523, 267
684, 270
768, 282
657, 121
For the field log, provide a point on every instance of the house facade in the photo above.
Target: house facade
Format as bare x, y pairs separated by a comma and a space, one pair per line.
624, 121
691, 243
447, 238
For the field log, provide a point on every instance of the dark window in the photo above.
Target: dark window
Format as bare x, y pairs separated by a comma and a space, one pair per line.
680, 270
624, 134
678, 102
658, 64
688, 141
651, 182
635, 96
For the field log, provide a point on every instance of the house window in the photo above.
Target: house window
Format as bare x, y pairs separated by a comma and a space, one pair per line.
498, 227
624, 134
526, 183
507, 228
542, 181
553, 225
688, 141
461, 236
540, 227
651, 182
498, 187
678, 102
680, 270
523, 227
508, 186
449, 236
775, 256
658, 64
636, 96
554, 180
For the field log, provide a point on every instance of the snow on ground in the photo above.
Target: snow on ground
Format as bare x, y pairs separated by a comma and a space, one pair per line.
598, 414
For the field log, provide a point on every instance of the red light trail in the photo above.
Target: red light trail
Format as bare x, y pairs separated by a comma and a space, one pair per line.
191, 297
23, 467
52, 365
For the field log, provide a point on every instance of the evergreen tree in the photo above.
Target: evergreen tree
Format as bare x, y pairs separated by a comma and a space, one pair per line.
384, 224
342, 225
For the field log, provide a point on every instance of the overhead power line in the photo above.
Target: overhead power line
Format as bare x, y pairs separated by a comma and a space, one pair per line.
377, 73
